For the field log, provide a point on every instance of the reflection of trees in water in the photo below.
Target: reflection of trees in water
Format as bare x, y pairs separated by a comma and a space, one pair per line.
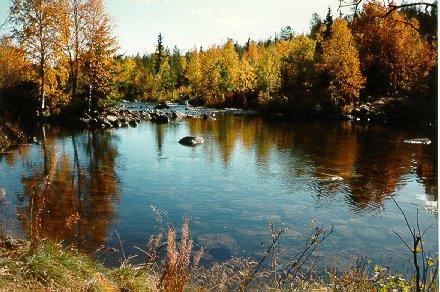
380, 164
427, 171
160, 137
253, 133
370, 161
78, 207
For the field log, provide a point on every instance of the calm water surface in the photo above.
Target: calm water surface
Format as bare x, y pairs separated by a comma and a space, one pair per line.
249, 172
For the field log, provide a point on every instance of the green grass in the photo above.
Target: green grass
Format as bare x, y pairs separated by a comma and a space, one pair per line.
55, 268
52, 267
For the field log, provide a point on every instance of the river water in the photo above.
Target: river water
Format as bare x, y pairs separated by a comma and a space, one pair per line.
251, 171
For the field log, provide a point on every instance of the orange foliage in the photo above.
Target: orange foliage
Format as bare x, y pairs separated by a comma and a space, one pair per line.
395, 58
340, 60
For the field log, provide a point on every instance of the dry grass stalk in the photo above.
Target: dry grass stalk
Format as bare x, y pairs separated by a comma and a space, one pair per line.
154, 244
178, 267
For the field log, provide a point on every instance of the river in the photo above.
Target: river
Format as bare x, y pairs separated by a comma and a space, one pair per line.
249, 172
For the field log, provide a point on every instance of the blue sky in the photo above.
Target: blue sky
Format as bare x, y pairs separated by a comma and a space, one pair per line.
195, 23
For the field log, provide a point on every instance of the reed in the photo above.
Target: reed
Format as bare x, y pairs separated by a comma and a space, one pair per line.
180, 262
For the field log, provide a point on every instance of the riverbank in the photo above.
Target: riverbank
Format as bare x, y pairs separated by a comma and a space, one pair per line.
52, 267
384, 111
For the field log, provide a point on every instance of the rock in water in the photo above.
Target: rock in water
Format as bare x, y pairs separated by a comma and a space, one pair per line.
2, 194
191, 141
422, 141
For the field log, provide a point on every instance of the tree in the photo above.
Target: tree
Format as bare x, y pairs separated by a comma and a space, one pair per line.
427, 18
286, 33
177, 65
297, 65
34, 27
98, 57
127, 78
71, 22
211, 76
269, 75
247, 79
16, 80
193, 72
394, 57
14, 67
165, 78
392, 6
340, 61
159, 52
315, 25
328, 22
229, 67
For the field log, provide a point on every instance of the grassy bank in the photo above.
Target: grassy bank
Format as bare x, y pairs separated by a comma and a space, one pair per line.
53, 267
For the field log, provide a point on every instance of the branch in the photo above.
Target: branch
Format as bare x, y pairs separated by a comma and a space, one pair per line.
402, 239
404, 216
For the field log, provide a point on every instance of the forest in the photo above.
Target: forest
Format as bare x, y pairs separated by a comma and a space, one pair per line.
293, 154
61, 58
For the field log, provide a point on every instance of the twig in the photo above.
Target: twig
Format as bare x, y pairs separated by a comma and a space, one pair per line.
122, 248
269, 248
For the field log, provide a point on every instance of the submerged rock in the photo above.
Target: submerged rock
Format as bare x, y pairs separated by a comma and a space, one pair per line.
421, 141
191, 141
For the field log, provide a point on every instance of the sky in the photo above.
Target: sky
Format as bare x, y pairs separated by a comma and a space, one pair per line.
193, 23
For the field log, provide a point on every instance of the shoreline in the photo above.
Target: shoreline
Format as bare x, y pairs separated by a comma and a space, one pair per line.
53, 267
384, 112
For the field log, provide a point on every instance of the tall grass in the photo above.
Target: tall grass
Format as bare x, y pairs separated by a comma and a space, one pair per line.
178, 265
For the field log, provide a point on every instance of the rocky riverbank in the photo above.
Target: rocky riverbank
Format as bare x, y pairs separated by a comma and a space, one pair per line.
386, 111
132, 114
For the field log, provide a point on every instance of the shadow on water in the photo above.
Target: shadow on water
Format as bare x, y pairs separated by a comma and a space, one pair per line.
248, 172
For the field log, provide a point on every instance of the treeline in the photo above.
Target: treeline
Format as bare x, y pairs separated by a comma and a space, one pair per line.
342, 62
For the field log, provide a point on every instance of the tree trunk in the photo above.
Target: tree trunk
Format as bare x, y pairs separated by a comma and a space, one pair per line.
76, 48
42, 85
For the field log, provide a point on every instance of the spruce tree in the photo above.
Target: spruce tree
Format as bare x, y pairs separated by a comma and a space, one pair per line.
159, 52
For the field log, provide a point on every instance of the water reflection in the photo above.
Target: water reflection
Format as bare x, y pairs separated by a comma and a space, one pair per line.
248, 165
370, 161
79, 206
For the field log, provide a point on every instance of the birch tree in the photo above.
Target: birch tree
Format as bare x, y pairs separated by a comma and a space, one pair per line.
34, 27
